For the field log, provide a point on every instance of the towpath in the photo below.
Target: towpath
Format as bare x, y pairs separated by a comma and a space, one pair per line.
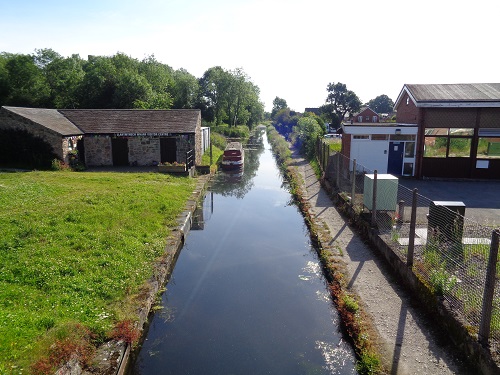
410, 342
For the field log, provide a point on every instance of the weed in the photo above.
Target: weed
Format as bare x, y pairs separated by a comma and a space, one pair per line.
350, 303
442, 282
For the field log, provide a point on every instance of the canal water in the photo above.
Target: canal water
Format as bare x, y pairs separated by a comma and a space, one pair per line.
247, 295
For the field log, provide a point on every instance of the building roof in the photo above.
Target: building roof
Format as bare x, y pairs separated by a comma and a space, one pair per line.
453, 95
363, 109
49, 118
112, 121
102, 121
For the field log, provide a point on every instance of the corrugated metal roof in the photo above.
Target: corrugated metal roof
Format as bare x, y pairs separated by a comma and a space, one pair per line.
98, 121
467, 92
49, 118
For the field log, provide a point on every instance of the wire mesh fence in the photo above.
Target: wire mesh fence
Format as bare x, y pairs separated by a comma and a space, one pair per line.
447, 251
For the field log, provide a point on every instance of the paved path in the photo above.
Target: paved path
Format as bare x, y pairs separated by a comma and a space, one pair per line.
410, 343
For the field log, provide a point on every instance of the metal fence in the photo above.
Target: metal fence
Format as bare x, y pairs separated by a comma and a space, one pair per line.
455, 256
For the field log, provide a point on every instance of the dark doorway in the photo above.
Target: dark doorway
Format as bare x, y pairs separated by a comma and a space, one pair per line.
168, 150
80, 147
395, 162
119, 149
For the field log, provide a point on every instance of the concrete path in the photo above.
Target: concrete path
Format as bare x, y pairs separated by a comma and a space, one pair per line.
411, 342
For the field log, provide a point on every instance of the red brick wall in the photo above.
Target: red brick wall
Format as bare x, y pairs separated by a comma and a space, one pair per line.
406, 113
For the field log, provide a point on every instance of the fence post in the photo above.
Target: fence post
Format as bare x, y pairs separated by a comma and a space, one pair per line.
374, 198
489, 290
353, 184
338, 170
413, 225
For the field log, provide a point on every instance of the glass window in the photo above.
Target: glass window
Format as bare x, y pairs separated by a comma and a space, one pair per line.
408, 169
380, 137
467, 132
402, 137
435, 147
438, 131
410, 149
361, 137
360, 118
488, 148
459, 148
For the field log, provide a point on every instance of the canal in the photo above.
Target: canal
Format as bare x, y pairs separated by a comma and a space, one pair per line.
247, 295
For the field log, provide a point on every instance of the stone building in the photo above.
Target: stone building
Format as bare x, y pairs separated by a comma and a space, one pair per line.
113, 137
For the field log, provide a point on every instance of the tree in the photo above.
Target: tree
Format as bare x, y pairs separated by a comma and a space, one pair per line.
381, 104
25, 84
64, 76
305, 134
278, 104
185, 89
213, 84
341, 102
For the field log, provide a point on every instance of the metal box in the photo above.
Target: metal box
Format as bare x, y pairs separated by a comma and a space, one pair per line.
446, 218
387, 192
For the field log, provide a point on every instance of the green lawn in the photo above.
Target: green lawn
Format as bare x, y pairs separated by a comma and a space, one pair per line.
74, 247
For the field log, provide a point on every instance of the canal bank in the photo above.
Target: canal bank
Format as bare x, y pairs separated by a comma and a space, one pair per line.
113, 356
408, 340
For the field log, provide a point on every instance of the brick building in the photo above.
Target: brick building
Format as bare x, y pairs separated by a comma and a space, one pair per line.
458, 128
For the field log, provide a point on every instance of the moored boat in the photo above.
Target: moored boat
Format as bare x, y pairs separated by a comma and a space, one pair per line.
233, 157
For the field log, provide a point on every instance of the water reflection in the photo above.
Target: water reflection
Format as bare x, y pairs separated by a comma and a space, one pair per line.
247, 295
239, 183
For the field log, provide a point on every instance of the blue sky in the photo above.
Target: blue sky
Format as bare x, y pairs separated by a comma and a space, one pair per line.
289, 48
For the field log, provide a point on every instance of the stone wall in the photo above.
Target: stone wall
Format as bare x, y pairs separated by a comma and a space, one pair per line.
58, 143
98, 151
144, 151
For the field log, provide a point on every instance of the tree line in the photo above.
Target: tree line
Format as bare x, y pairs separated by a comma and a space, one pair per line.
45, 79
303, 129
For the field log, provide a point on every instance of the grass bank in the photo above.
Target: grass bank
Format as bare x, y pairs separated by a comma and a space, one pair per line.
74, 251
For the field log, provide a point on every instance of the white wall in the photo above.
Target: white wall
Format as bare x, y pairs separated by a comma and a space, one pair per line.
370, 154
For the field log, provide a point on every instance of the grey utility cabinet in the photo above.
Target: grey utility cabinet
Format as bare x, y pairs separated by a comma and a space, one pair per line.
387, 192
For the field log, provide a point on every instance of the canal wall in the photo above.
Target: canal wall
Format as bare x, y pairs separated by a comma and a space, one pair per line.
113, 356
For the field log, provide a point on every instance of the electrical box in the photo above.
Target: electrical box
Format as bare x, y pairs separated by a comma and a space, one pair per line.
387, 192
446, 218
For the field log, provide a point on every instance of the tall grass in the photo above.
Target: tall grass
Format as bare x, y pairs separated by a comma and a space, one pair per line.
75, 247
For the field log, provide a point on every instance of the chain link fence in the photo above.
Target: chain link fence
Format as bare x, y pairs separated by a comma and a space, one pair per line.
454, 256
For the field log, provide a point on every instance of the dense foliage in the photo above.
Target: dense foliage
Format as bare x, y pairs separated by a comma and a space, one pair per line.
46, 79
382, 104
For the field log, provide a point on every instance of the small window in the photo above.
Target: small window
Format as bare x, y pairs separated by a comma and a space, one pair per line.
408, 169
360, 118
367, 118
375, 119
361, 136
380, 137
407, 100
410, 149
